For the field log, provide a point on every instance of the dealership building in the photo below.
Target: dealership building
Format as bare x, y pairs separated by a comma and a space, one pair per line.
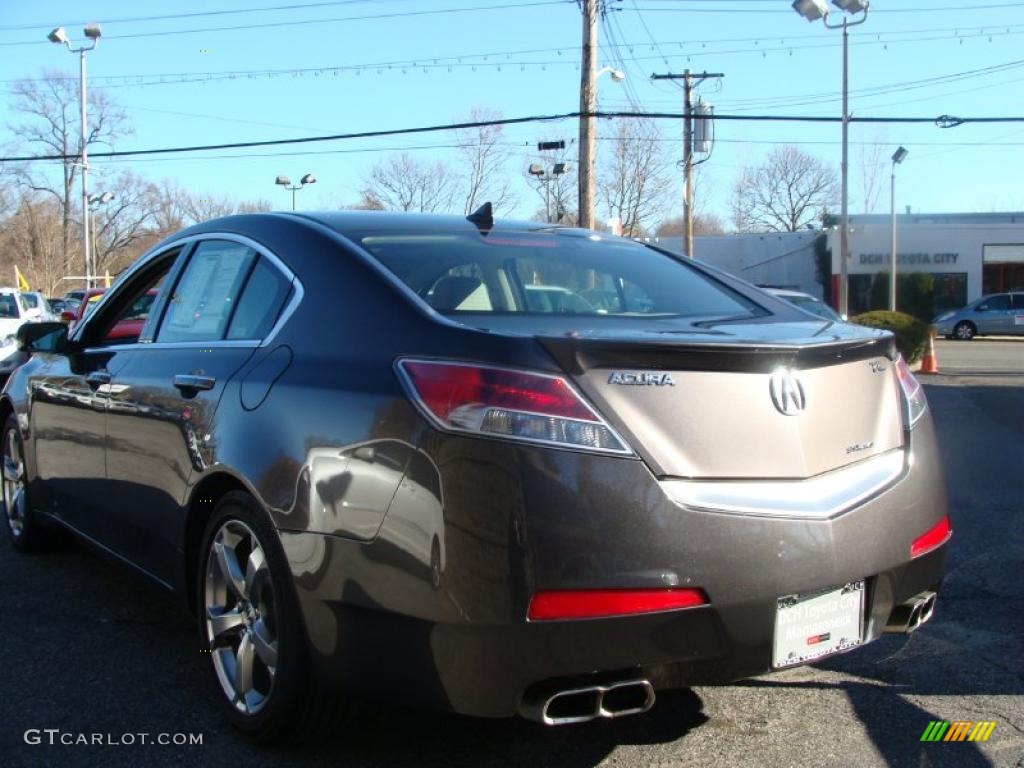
967, 255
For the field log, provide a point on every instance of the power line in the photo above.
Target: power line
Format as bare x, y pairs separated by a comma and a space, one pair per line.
944, 121
195, 14
300, 22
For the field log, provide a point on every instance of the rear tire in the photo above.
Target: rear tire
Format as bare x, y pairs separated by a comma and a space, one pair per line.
964, 331
26, 532
250, 626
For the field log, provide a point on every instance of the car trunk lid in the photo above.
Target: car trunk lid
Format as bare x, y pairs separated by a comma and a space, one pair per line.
764, 400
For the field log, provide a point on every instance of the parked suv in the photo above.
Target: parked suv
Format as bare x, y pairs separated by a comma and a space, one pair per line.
998, 314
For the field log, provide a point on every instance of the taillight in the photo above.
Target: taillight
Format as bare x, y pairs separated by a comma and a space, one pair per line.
501, 402
605, 603
914, 402
931, 539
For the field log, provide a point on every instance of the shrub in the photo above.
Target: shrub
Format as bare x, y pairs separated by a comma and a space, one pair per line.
911, 334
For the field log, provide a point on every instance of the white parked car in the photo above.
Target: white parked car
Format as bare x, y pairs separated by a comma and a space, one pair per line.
13, 313
36, 307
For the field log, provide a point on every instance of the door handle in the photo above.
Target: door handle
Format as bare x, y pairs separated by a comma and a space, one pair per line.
97, 379
193, 382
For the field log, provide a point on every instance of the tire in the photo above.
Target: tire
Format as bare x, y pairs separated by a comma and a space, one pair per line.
251, 629
27, 533
964, 331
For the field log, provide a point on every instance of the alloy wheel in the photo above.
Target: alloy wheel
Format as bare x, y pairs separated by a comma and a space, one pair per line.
14, 483
964, 332
240, 613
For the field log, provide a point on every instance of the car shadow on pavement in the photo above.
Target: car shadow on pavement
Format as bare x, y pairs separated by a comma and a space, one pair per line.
429, 738
894, 724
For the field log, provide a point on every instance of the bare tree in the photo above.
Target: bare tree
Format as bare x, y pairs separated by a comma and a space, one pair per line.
50, 108
635, 179
402, 183
30, 238
703, 224
199, 208
872, 168
482, 161
791, 190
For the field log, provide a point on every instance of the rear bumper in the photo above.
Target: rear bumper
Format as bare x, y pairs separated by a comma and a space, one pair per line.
520, 519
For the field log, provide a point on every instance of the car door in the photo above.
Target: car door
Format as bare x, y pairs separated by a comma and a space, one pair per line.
1017, 314
163, 400
993, 315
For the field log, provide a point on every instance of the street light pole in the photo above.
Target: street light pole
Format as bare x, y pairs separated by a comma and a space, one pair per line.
812, 10
898, 157
59, 36
285, 182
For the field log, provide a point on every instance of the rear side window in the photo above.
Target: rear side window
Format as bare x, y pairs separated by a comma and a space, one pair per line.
1018, 301
202, 303
261, 302
549, 273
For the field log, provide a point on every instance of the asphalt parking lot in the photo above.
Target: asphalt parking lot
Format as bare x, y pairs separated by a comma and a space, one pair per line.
91, 649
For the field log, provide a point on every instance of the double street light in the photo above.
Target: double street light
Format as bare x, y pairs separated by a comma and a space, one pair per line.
812, 10
285, 182
60, 36
546, 177
898, 157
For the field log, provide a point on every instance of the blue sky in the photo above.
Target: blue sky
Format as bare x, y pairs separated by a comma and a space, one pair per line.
355, 65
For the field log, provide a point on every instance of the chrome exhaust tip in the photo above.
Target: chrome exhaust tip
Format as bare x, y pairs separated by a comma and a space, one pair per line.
581, 705
910, 615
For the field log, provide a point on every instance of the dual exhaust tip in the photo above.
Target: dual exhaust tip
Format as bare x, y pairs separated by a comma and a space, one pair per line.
912, 614
586, 703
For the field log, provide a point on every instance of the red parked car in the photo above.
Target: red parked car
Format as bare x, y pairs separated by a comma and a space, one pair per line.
128, 327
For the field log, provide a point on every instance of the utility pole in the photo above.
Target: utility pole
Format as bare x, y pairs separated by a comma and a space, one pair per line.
690, 81
588, 105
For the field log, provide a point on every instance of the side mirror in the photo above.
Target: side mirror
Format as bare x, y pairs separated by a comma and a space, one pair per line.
43, 337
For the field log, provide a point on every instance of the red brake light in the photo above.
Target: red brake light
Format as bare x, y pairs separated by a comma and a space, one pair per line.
931, 539
604, 603
501, 402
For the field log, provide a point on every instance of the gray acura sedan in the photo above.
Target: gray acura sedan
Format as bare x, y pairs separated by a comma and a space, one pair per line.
374, 466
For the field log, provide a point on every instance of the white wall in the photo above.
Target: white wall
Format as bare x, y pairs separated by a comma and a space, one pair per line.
783, 259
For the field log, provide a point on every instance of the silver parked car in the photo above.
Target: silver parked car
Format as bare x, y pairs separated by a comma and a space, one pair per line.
998, 314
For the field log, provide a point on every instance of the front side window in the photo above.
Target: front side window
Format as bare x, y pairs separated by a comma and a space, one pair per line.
548, 272
997, 303
203, 300
1018, 301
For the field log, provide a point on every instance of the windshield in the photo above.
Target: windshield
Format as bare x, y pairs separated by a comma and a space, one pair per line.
545, 273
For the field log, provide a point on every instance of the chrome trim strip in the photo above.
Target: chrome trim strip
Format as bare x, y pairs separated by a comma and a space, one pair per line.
297, 290
819, 497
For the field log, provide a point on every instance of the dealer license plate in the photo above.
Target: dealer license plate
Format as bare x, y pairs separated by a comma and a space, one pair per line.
810, 627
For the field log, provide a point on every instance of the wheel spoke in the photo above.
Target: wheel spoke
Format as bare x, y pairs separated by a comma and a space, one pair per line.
244, 658
223, 622
229, 569
266, 646
255, 568
12, 469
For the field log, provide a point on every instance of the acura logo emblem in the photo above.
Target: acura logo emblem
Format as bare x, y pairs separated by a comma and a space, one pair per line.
787, 392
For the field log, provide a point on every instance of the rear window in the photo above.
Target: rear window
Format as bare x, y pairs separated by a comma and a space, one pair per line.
549, 273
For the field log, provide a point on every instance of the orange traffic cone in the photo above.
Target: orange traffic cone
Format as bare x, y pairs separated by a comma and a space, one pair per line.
929, 363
